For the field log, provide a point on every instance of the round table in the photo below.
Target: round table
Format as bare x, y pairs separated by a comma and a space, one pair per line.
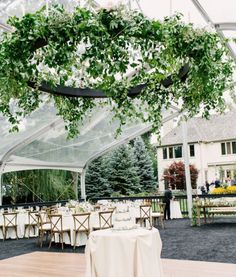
129, 253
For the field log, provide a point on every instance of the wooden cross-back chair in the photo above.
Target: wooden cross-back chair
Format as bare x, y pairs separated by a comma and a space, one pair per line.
57, 228
2, 230
158, 215
32, 223
105, 220
10, 222
44, 226
145, 215
81, 225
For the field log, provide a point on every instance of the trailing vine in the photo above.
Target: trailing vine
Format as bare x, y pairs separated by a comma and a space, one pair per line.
97, 49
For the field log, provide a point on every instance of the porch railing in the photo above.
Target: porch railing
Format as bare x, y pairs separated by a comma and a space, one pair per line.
156, 199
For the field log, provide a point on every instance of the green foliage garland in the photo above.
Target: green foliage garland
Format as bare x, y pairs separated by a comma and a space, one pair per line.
96, 50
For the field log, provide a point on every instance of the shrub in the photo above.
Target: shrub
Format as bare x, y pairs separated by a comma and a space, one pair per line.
231, 189
224, 190
219, 190
175, 175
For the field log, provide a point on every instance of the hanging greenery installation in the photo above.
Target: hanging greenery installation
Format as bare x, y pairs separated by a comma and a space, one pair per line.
113, 51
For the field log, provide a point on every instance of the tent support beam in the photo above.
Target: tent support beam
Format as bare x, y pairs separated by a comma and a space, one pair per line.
187, 169
26, 141
207, 18
1, 178
82, 184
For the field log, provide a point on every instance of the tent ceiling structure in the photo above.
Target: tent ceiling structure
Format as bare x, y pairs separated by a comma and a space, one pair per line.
41, 141
203, 13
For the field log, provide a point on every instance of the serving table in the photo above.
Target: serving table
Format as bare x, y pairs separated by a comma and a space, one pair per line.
126, 253
215, 208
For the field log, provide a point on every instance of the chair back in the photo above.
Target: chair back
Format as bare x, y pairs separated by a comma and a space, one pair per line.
43, 217
56, 222
162, 208
10, 219
32, 218
105, 219
145, 211
81, 221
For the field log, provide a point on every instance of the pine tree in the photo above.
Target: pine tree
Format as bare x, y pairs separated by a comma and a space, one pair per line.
122, 173
145, 166
152, 151
95, 180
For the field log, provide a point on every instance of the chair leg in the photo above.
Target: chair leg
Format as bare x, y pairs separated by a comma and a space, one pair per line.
69, 236
2, 233
75, 240
16, 233
62, 241
50, 241
41, 239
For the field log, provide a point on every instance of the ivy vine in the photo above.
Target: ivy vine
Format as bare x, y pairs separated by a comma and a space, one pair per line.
97, 49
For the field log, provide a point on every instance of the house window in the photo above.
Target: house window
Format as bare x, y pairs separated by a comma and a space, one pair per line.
234, 147
228, 147
178, 151
191, 150
171, 153
164, 153
223, 152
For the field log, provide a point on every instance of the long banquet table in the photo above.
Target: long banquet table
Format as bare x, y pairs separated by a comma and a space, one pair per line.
126, 253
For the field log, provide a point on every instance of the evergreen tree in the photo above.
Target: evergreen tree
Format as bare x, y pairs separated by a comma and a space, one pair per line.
145, 166
122, 173
95, 180
152, 151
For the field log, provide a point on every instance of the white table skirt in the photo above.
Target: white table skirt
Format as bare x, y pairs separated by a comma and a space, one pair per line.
132, 253
175, 211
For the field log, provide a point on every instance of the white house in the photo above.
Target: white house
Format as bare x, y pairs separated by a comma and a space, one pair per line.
212, 148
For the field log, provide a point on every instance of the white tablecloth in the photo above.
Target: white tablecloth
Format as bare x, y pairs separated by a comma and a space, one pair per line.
22, 219
175, 211
132, 253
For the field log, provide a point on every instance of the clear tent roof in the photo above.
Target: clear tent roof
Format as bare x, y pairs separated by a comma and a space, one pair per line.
42, 140
42, 143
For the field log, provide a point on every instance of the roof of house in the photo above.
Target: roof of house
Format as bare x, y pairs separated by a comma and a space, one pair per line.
218, 127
